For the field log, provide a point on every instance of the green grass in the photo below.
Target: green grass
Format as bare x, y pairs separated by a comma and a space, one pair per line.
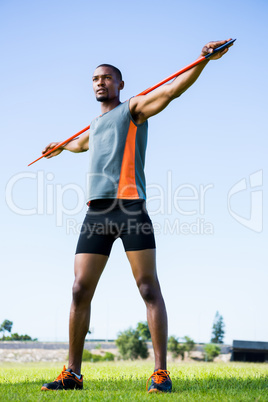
125, 381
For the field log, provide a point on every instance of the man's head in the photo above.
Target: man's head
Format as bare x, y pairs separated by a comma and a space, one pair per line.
107, 82
115, 70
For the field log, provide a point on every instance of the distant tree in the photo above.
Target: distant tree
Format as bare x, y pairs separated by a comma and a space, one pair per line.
176, 348
90, 357
93, 358
6, 326
172, 346
130, 345
189, 344
143, 329
211, 351
108, 357
16, 337
218, 329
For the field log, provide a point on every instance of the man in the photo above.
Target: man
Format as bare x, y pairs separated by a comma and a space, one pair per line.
116, 199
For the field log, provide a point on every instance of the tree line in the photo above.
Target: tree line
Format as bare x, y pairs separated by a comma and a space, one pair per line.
6, 326
132, 344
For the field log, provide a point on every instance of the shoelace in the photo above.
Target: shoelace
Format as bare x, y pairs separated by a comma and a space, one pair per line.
63, 374
159, 377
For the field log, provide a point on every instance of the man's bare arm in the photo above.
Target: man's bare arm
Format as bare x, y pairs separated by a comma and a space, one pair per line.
77, 145
143, 107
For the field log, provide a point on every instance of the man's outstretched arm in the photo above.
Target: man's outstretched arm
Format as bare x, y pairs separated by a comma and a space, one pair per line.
143, 107
77, 145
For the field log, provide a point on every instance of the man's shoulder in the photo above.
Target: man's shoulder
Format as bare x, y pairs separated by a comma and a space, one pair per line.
135, 111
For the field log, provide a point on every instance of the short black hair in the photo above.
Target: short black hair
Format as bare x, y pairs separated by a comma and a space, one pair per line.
115, 69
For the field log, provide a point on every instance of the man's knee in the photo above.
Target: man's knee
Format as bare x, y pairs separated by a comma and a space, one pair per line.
81, 293
149, 291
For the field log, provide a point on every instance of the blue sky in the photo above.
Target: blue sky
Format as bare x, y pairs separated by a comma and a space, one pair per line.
210, 145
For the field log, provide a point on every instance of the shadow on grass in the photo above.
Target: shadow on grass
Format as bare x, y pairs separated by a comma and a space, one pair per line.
197, 359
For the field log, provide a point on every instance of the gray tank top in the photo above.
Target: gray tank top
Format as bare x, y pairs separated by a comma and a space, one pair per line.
117, 148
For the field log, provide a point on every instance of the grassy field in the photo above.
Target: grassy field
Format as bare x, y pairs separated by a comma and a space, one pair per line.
126, 381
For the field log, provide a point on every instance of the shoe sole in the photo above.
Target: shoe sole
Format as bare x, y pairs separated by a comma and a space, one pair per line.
48, 389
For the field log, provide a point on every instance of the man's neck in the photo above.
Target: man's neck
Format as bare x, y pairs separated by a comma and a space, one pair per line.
109, 105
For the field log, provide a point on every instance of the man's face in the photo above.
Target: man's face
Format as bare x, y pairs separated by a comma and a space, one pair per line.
106, 84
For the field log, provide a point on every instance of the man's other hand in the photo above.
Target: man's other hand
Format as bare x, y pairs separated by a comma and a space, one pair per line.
51, 146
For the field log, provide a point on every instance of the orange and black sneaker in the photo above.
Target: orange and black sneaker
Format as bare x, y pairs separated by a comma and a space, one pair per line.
161, 382
66, 380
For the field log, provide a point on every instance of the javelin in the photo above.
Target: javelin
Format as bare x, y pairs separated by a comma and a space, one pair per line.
199, 60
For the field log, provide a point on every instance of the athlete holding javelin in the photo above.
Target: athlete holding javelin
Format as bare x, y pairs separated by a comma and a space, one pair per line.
116, 199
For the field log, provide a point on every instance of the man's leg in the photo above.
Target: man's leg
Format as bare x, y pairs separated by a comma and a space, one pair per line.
88, 269
143, 264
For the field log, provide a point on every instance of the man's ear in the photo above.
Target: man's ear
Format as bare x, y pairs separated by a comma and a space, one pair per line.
121, 85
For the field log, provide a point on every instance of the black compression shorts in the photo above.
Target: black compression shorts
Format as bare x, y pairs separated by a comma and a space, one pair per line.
108, 219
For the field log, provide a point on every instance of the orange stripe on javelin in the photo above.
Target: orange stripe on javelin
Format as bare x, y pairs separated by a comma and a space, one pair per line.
127, 183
